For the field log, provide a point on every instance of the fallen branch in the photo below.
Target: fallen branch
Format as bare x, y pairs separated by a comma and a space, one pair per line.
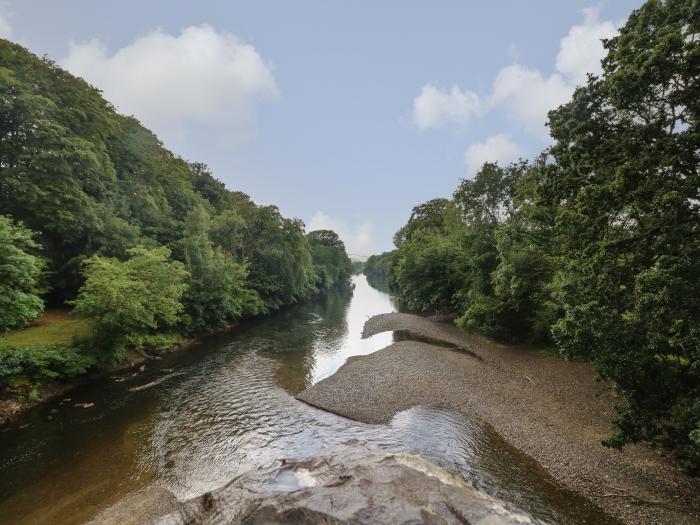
143, 387
531, 381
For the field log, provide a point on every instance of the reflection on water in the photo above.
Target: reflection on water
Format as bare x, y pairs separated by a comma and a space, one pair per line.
225, 407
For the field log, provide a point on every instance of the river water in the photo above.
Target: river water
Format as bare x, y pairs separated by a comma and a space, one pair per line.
226, 406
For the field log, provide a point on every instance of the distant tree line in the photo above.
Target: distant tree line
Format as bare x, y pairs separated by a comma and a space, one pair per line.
377, 267
594, 246
358, 267
96, 213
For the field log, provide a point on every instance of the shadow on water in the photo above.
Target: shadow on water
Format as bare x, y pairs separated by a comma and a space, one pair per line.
225, 407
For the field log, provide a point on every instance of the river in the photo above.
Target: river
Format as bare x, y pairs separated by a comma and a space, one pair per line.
226, 406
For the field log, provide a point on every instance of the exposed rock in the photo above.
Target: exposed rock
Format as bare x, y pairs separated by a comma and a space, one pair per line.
350, 484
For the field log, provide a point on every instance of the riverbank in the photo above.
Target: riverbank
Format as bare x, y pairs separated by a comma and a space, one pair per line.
56, 327
554, 411
13, 404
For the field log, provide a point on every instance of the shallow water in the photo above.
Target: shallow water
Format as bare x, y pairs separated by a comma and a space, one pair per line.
225, 407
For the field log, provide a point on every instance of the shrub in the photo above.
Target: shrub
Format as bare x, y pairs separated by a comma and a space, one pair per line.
126, 298
43, 362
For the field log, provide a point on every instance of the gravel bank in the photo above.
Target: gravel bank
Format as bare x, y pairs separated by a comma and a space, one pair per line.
554, 411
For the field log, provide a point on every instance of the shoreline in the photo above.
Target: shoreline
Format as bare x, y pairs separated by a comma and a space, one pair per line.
554, 411
12, 408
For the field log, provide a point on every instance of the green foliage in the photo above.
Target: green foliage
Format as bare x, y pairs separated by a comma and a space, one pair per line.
20, 271
158, 342
94, 184
332, 266
597, 244
217, 291
91, 181
358, 267
625, 189
280, 265
110, 206
421, 271
376, 268
510, 295
136, 296
43, 362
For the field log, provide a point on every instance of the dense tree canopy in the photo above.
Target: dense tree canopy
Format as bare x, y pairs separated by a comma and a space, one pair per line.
217, 290
626, 191
20, 270
377, 266
332, 265
141, 239
595, 246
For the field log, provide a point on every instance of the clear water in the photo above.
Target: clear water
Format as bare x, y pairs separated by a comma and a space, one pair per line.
225, 407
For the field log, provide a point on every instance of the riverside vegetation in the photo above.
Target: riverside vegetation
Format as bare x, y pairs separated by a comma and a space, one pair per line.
147, 248
594, 247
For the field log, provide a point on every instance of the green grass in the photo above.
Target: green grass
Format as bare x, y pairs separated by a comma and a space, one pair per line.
54, 327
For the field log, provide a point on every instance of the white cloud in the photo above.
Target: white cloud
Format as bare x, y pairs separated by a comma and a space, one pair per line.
358, 239
200, 76
528, 96
525, 93
497, 148
581, 51
5, 27
435, 107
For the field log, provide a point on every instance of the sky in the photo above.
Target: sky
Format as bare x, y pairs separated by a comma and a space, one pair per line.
343, 114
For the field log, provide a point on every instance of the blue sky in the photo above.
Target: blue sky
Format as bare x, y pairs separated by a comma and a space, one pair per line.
344, 114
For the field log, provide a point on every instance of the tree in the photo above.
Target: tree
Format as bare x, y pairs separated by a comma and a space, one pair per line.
331, 262
597, 244
377, 267
281, 269
20, 271
325, 238
92, 182
130, 298
425, 269
426, 216
228, 232
487, 199
509, 294
217, 291
625, 186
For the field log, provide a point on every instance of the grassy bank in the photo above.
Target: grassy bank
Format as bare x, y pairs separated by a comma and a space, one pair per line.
54, 327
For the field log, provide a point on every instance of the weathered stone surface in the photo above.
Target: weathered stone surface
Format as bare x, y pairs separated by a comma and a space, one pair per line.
350, 484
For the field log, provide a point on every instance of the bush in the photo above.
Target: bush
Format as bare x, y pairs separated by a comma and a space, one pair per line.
43, 362
158, 342
127, 298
